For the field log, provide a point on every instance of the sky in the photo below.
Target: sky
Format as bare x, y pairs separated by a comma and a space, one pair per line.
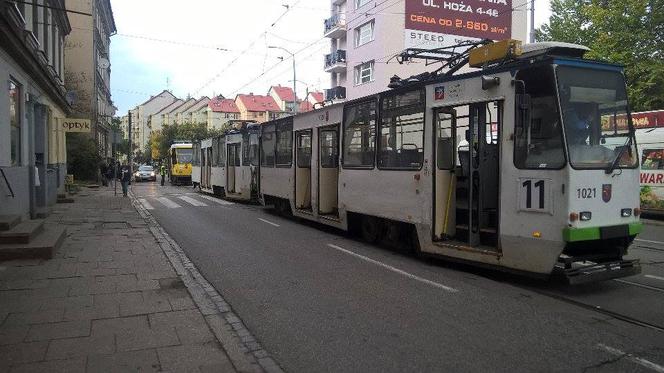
212, 47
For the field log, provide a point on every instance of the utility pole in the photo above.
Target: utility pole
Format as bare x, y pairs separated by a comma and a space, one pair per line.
294, 76
130, 151
532, 21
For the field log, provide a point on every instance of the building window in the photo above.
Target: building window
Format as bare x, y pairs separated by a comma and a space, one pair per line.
15, 121
45, 40
364, 33
35, 19
364, 73
361, 3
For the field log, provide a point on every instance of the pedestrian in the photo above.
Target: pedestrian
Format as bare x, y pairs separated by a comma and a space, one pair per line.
125, 177
162, 172
103, 169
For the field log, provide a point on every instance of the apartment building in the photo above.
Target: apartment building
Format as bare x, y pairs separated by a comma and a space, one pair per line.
88, 66
140, 116
284, 97
32, 105
171, 118
221, 112
189, 115
259, 108
365, 35
155, 121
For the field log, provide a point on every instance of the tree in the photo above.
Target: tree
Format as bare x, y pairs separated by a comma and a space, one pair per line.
83, 158
628, 32
162, 141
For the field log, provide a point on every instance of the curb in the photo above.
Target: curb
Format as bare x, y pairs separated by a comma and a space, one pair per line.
244, 351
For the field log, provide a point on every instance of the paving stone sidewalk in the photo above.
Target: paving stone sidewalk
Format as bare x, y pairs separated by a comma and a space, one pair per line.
108, 301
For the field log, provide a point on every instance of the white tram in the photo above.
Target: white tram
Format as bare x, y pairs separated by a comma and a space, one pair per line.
508, 166
227, 165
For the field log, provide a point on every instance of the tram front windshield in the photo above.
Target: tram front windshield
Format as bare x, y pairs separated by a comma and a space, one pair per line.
184, 155
594, 111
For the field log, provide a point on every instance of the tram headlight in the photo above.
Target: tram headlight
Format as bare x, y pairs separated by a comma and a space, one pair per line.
626, 213
585, 215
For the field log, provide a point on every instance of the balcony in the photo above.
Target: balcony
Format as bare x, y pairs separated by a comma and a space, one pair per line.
335, 62
335, 27
336, 93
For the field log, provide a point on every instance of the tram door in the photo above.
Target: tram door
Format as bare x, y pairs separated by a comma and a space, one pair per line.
328, 170
467, 173
203, 168
233, 166
303, 169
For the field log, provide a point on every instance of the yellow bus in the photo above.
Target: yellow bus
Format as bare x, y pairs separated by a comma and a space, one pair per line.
180, 157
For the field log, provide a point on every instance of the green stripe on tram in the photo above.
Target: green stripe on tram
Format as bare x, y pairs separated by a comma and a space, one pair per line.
593, 233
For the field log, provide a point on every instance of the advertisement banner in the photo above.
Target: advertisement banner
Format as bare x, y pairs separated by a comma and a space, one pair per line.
74, 125
641, 120
439, 23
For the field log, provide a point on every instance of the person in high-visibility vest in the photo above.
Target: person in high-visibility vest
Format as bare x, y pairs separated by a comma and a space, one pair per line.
162, 172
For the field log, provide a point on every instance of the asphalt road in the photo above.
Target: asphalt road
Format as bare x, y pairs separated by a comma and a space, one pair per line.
320, 301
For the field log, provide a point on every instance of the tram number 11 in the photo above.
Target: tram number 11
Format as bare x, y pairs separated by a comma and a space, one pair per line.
534, 195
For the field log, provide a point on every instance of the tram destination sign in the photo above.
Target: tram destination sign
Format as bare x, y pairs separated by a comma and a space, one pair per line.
440, 23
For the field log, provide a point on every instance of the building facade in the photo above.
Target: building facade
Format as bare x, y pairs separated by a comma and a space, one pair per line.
32, 105
140, 115
312, 99
365, 36
221, 112
259, 108
284, 97
88, 66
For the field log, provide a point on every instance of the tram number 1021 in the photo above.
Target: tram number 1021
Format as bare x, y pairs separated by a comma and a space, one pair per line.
534, 195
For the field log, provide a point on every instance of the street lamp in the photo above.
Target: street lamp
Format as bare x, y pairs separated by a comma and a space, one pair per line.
294, 77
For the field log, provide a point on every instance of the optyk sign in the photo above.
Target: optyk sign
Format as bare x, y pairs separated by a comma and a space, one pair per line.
74, 125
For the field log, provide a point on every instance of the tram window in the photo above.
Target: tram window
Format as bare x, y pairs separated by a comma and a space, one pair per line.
197, 155
215, 148
304, 150
359, 135
267, 146
253, 149
284, 145
329, 157
653, 159
402, 131
245, 150
538, 144
221, 152
446, 141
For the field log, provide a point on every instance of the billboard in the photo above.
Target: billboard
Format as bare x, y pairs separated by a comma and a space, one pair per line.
439, 23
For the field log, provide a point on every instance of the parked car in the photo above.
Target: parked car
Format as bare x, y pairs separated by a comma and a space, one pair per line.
145, 173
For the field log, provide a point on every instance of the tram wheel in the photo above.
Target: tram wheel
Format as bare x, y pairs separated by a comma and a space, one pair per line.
371, 229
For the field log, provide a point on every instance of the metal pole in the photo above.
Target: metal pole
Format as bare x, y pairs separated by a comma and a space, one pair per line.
131, 151
295, 108
532, 21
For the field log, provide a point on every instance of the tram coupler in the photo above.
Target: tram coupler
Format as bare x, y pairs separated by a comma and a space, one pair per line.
579, 273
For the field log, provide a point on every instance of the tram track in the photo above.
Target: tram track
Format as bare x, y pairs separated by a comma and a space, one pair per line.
602, 310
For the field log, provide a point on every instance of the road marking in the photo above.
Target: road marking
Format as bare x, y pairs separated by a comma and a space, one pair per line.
649, 241
635, 359
192, 201
394, 269
217, 200
146, 204
168, 203
654, 277
269, 222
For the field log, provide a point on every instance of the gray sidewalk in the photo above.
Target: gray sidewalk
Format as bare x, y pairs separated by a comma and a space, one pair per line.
108, 301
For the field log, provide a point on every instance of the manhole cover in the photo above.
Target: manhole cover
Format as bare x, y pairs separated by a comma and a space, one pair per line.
115, 225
